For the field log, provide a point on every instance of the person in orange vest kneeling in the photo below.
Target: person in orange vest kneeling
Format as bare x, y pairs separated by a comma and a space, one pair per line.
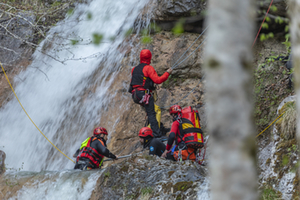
92, 151
185, 132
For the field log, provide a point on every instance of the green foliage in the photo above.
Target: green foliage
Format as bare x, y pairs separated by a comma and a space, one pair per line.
70, 12
285, 160
154, 27
279, 20
128, 32
97, 38
89, 16
74, 42
274, 8
146, 39
146, 191
287, 43
264, 36
107, 174
265, 25
270, 194
178, 28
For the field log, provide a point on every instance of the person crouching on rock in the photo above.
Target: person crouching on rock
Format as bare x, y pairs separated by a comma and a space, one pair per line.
92, 151
179, 151
142, 84
156, 147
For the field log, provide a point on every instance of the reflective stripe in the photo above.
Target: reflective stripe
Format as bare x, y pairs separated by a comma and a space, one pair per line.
84, 143
196, 121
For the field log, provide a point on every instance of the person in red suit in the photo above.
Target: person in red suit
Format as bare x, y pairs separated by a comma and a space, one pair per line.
142, 84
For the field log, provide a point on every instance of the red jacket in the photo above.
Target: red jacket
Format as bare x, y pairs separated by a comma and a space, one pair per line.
148, 70
174, 135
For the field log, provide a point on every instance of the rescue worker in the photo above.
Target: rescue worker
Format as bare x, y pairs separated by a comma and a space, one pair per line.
142, 84
179, 150
92, 151
156, 147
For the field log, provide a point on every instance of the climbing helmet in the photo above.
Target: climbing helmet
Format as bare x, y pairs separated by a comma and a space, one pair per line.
100, 130
146, 131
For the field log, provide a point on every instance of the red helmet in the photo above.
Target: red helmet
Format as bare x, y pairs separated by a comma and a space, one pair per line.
175, 109
146, 131
100, 130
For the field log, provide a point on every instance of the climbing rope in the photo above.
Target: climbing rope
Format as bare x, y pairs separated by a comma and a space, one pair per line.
262, 23
270, 125
29, 116
174, 66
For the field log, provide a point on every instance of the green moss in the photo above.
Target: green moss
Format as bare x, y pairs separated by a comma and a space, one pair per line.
183, 186
146, 191
268, 193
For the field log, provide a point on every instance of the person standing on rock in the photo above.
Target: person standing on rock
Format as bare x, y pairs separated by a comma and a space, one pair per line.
92, 151
142, 84
156, 147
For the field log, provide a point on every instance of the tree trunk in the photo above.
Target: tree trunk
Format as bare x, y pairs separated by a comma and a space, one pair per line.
228, 64
294, 8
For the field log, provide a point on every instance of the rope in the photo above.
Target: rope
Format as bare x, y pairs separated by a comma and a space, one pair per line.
262, 23
174, 66
166, 107
29, 116
270, 125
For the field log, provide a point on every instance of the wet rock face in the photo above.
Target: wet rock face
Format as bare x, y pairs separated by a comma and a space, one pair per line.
278, 158
170, 10
147, 177
2, 164
18, 30
166, 14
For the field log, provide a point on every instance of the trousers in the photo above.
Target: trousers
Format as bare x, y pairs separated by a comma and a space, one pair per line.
137, 96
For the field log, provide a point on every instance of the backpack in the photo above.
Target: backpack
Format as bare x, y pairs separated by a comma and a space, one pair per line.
190, 128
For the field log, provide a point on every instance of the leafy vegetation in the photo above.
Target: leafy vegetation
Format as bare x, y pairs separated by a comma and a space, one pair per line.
287, 123
269, 193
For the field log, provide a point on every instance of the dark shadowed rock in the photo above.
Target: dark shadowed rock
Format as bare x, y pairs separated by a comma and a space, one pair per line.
15, 37
2, 160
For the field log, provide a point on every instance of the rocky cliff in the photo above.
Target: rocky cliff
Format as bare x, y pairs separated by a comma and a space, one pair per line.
128, 179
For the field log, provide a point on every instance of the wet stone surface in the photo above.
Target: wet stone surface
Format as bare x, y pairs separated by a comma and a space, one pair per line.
150, 177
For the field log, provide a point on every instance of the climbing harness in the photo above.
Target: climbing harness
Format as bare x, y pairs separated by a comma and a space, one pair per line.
146, 97
29, 116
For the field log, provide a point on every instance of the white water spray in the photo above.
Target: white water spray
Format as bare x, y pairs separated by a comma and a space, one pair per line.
66, 92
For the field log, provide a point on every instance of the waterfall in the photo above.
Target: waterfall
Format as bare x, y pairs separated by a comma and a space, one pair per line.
48, 185
66, 90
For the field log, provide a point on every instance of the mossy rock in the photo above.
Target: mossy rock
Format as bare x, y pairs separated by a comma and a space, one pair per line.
183, 186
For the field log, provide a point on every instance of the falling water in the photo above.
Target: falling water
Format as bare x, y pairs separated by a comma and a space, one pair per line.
66, 89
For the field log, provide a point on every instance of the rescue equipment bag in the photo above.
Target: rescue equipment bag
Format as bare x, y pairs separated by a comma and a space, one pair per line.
190, 128
186, 154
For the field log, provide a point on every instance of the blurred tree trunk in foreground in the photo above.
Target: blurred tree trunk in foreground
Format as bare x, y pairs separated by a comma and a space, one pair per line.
228, 64
294, 11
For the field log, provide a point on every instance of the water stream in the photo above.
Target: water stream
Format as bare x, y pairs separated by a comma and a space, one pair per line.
67, 91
